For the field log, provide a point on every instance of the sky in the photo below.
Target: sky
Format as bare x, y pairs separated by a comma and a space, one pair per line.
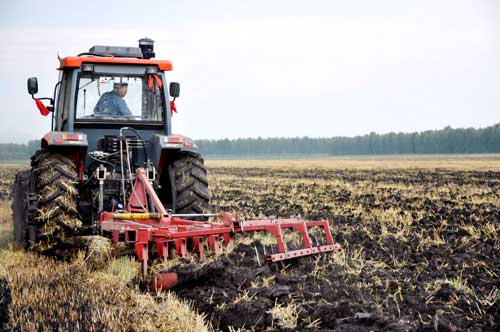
274, 68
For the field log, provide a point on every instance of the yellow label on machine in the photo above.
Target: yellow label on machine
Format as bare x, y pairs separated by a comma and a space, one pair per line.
136, 216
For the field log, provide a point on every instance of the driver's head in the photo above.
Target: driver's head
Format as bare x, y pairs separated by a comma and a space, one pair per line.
121, 89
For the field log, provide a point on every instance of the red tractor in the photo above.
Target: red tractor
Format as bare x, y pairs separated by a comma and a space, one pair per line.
111, 166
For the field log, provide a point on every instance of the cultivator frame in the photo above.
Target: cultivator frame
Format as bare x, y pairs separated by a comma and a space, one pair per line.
146, 222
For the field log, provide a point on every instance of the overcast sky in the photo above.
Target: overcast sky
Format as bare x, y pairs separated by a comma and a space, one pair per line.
274, 68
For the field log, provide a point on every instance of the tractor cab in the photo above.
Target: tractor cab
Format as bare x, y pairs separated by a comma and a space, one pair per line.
111, 115
109, 88
113, 85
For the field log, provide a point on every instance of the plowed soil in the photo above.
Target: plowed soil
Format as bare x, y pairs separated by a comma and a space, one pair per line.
421, 252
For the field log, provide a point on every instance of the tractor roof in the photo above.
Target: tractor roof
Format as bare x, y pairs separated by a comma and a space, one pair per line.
76, 61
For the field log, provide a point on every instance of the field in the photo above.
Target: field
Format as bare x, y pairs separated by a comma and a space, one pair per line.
421, 252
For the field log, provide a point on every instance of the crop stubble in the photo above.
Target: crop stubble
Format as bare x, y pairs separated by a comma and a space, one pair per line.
421, 248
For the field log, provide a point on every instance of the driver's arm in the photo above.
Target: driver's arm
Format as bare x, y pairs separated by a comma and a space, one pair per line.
123, 108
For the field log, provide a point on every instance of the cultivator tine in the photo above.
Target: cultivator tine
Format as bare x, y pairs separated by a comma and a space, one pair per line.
162, 249
213, 244
257, 256
314, 241
228, 241
199, 248
181, 247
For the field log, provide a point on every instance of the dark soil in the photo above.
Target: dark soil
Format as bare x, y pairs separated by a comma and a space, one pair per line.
216, 286
421, 252
4, 304
437, 272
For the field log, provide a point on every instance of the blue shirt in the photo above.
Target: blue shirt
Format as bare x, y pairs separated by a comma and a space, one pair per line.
111, 104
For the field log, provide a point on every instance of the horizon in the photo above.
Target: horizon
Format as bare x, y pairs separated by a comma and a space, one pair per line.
302, 137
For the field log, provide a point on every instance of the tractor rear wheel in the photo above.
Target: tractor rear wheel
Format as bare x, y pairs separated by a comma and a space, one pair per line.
191, 185
55, 185
19, 207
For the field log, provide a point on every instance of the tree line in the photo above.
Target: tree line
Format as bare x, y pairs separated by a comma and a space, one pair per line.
18, 152
447, 140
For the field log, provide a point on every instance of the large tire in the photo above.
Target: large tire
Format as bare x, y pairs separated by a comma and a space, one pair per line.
55, 185
191, 185
19, 207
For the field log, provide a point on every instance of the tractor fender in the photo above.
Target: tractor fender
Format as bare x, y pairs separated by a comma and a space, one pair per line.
167, 147
71, 144
64, 139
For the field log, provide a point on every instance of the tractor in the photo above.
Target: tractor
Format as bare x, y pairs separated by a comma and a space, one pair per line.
112, 166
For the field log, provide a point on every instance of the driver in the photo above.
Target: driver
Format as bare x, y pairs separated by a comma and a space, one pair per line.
112, 103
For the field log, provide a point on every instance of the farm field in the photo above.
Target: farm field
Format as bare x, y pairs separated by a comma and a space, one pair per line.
421, 252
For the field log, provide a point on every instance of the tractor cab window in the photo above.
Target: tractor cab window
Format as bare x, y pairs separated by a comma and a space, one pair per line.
119, 98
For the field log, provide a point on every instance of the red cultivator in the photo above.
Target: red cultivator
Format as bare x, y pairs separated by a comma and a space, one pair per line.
146, 222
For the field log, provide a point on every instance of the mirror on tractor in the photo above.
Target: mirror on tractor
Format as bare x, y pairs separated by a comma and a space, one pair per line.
175, 89
32, 85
